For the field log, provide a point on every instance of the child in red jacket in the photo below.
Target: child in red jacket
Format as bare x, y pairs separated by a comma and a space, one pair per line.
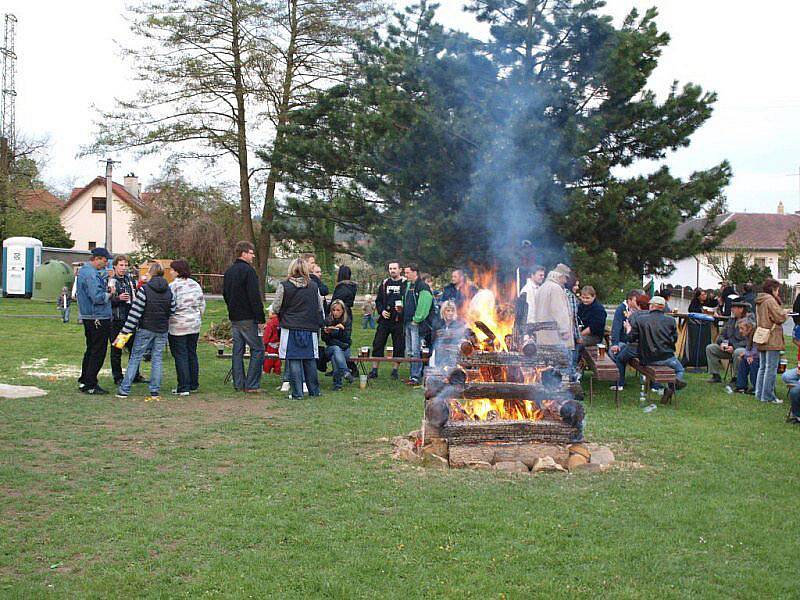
272, 340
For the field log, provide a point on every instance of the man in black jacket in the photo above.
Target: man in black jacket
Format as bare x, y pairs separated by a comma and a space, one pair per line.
656, 335
245, 310
123, 289
389, 304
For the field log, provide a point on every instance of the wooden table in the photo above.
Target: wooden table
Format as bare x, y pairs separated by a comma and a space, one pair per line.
601, 368
683, 331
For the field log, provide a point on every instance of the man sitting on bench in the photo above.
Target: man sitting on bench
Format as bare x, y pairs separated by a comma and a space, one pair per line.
656, 335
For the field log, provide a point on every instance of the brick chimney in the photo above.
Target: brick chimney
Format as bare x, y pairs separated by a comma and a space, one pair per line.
131, 183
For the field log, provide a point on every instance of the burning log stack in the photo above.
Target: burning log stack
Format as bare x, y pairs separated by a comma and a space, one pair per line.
495, 390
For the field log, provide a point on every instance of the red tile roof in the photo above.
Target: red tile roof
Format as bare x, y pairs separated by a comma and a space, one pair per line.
754, 231
39, 200
117, 189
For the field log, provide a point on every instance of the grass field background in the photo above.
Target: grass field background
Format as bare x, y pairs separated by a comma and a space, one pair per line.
223, 494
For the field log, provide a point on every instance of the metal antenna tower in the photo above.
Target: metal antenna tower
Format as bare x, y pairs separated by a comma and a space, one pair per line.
7, 125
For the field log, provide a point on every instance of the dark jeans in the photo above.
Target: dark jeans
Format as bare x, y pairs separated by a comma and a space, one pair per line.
382, 333
116, 353
97, 335
299, 370
246, 333
184, 351
747, 371
622, 358
338, 358
368, 322
794, 397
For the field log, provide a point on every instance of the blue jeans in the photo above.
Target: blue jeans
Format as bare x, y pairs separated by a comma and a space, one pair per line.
338, 357
187, 367
413, 349
767, 374
621, 359
65, 315
791, 376
794, 397
299, 370
368, 322
146, 341
747, 371
673, 363
246, 333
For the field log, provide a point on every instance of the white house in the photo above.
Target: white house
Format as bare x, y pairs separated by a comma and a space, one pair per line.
760, 237
84, 214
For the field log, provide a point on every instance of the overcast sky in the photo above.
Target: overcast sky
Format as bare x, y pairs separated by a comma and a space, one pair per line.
68, 61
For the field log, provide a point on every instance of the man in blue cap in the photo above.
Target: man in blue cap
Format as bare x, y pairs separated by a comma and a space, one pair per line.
94, 307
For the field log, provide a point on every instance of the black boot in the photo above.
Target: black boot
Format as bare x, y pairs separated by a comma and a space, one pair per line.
373, 374
715, 378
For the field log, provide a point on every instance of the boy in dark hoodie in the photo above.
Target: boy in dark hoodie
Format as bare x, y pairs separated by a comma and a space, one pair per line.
593, 316
150, 312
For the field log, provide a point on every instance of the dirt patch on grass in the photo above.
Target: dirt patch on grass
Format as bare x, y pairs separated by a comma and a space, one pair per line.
143, 428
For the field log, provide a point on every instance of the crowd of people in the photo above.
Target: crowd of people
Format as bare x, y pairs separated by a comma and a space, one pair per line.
306, 331
140, 317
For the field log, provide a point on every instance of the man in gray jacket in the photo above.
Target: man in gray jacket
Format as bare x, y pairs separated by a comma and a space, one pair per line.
730, 344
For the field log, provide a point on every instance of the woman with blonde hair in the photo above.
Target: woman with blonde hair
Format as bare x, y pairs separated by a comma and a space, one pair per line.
337, 335
298, 305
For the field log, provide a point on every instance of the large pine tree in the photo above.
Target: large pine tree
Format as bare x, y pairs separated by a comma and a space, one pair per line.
448, 150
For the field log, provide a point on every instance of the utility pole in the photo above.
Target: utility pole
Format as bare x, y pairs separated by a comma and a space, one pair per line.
8, 91
109, 184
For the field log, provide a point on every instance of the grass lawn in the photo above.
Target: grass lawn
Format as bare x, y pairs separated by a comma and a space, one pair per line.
225, 495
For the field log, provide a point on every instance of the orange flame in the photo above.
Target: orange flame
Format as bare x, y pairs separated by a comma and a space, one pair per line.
492, 306
492, 409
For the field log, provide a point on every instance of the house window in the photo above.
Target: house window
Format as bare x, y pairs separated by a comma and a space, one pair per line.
98, 205
92, 245
783, 268
760, 262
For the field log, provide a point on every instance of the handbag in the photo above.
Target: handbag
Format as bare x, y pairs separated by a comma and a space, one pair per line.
762, 334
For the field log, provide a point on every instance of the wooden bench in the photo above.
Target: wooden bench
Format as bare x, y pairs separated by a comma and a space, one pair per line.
363, 361
655, 374
600, 368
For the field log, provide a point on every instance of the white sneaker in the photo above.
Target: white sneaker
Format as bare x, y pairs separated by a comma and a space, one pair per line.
285, 386
617, 388
657, 391
776, 401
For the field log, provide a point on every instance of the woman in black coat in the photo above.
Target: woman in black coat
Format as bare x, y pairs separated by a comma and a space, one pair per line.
337, 335
345, 290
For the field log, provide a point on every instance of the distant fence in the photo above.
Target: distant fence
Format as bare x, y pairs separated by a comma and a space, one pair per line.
210, 282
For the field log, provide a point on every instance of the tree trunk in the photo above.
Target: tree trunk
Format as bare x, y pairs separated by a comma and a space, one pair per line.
241, 127
268, 214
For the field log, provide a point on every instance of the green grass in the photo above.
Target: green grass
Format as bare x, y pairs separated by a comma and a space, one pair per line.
225, 495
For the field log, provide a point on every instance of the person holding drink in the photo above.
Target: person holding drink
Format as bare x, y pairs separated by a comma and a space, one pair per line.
389, 304
730, 343
122, 287
337, 337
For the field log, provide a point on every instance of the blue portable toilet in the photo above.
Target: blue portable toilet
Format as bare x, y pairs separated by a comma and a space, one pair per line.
21, 257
